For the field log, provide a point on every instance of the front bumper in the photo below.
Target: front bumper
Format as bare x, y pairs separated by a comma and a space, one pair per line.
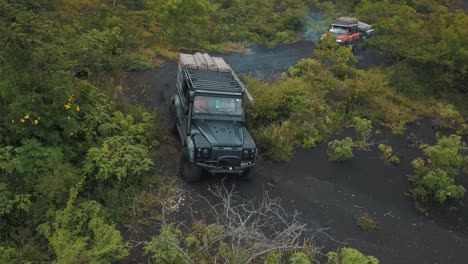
214, 168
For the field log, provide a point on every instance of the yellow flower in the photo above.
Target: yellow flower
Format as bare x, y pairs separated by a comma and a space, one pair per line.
22, 120
77, 108
36, 122
26, 116
67, 106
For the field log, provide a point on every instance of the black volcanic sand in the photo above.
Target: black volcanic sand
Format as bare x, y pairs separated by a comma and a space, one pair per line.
331, 194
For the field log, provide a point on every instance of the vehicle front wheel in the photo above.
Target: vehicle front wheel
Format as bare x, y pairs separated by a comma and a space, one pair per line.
172, 119
189, 171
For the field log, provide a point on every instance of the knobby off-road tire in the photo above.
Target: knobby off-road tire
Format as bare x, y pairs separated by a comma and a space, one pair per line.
172, 119
189, 171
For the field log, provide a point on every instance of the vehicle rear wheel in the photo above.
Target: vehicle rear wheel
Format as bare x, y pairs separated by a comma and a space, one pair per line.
189, 171
172, 119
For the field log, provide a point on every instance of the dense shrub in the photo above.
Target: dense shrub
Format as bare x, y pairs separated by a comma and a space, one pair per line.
340, 150
119, 157
363, 128
435, 177
386, 153
350, 256
275, 142
80, 233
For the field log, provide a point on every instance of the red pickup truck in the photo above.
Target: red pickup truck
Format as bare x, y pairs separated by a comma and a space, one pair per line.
349, 31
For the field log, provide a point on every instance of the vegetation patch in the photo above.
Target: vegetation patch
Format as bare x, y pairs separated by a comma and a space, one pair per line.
386, 153
366, 222
348, 256
435, 176
340, 150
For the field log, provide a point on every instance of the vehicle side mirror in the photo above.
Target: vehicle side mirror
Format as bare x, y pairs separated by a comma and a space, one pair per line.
191, 95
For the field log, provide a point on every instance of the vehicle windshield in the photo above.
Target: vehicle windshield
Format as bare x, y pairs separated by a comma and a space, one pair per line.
339, 30
217, 105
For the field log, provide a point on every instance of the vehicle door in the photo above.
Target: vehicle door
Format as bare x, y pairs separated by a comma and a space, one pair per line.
354, 34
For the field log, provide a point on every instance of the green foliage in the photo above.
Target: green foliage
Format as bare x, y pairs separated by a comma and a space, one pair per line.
165, 248
299, 258
433, 41
10, 202
435, 179
278, 102
81, 234
273, 258
340, 150
30, 162
363, 128
446, 154
275, 142
338, 57
119, 157
7, 254
350, 256
386, 153
58, 65
209, 244
438, 185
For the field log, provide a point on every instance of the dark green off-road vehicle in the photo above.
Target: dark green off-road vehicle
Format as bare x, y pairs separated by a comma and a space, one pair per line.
207, 112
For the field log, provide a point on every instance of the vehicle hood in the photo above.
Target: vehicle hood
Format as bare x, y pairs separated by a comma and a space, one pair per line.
336, 35
222, 133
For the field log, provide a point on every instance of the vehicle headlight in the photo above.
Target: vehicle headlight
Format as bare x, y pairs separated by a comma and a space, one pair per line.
248, 153
339, 40
203, 153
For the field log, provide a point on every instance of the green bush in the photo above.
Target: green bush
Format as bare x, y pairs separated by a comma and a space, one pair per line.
81, 234
299, 258
438, 185
350, 256
340, 150
275, 142
165, 247
434, 178
386, 153
363, 128
119, 157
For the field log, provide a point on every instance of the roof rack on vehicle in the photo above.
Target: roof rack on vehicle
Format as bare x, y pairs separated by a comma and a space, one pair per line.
346, 20
211, 73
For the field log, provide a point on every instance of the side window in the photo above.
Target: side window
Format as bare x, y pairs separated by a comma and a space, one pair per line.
355, 29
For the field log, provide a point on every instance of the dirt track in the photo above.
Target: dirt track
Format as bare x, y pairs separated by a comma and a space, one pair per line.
329, 194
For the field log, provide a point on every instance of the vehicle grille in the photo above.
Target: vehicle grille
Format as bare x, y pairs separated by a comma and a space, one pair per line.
229, 162
222, 152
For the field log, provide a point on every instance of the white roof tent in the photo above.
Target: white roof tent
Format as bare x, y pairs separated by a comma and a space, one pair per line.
211, 74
